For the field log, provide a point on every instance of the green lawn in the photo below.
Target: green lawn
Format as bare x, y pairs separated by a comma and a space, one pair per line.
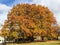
39, 43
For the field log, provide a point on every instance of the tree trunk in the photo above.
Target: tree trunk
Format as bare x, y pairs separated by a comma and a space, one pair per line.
42, 37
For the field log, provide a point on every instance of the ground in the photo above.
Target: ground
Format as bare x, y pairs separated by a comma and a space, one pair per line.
38, 43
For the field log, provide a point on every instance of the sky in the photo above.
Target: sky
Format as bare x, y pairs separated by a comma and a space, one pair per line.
6, 5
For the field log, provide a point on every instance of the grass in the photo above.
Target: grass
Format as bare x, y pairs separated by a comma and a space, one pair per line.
38, 43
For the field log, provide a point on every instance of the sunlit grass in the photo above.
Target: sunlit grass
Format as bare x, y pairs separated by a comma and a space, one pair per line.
38, 43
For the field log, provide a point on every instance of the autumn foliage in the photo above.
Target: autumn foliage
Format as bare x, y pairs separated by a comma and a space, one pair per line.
27, 20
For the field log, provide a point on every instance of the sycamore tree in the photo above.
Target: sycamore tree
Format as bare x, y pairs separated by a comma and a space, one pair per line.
30, 20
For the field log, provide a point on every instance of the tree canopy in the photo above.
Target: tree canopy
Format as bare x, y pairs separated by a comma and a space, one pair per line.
30, 20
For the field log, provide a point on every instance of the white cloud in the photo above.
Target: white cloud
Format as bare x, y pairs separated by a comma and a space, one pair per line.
4, 8
3, 13
20, 1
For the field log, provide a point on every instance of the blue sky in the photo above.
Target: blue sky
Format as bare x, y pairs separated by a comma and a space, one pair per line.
6, 5
7, 2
